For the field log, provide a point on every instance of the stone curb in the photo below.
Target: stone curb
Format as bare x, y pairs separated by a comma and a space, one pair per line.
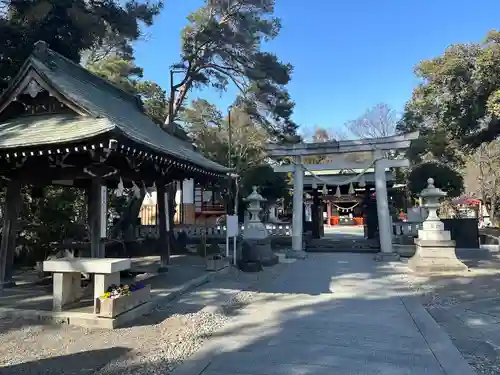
448, 356
186, 287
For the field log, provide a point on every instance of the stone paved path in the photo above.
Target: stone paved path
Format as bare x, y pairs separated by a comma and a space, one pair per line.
331, 314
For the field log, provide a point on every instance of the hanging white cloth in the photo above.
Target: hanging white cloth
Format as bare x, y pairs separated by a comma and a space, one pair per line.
351, 189
362, 182
119, 189
136, 190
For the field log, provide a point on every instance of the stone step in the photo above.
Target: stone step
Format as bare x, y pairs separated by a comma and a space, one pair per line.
343, 246
341, 249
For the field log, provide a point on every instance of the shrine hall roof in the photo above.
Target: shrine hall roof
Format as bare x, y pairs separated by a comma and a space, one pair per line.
109, 110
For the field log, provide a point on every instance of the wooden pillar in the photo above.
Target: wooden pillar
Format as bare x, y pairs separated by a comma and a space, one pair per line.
97, 216
163, 221
12, 207
316, 208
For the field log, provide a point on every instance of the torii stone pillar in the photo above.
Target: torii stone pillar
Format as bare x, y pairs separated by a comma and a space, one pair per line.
298, 206
379, 146
383, 214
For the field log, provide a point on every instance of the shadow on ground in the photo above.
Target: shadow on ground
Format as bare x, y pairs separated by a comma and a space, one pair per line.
71, 364
328, 304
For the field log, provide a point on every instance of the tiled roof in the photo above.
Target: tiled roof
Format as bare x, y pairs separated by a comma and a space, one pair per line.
111, 111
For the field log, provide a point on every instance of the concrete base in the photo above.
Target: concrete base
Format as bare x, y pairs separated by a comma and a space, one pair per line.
295, 254
261, 250
435, 257
386, 257
283, 259
90, 320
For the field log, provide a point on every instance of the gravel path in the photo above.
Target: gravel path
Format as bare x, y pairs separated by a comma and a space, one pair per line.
164, 339
448, 297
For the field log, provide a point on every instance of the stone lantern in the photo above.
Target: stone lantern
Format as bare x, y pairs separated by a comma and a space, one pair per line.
256, 240
435, 250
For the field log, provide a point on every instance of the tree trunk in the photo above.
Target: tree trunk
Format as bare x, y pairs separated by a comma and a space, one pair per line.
493, 212
10, 223
127, 223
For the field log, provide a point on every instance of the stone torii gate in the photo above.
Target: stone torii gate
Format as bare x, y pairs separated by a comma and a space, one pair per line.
379, 147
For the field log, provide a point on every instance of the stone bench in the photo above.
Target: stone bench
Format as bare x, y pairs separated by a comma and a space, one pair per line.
66, 275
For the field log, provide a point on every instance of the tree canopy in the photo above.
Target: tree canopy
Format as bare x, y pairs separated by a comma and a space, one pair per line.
123, 72
70, 27
209, 130
222, 44
444, 177
456, 105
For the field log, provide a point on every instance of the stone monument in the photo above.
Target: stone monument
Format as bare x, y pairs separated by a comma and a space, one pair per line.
435, 250
256, 240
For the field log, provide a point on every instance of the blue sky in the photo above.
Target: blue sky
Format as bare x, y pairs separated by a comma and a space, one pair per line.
347, 55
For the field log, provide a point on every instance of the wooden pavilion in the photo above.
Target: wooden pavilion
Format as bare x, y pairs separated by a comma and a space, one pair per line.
62, 125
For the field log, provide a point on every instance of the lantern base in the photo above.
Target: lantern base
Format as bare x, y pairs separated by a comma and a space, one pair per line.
434, 256
259, 250
295, 254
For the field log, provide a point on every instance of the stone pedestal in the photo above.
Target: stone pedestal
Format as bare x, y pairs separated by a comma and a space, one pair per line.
260, 249
435, 250
295, 254
66, 289
435, 256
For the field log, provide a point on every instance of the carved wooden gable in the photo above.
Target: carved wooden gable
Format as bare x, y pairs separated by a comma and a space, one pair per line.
34, 97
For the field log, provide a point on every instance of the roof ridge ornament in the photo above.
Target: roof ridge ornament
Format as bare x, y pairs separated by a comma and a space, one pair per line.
33, 88
41, 47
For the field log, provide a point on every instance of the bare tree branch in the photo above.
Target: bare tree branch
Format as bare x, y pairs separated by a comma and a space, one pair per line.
379, 121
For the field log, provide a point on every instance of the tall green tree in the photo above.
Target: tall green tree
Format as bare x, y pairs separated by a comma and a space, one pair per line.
244, 149
222, 45
70, 27
235, 139
456, 104
124, 73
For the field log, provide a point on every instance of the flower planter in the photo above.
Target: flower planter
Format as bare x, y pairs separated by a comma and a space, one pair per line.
112, 307
215, 263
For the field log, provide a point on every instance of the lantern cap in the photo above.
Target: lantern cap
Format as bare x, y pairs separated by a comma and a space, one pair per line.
255, 196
